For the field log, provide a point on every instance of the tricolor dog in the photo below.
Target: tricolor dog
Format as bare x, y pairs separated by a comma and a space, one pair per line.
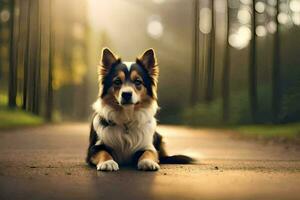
123, 129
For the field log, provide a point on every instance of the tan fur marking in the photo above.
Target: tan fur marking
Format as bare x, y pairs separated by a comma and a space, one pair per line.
111, 99
134, 75
101, 156
121, 75
145, 101
149, 155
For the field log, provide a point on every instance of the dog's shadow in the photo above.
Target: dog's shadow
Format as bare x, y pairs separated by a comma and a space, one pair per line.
126, 183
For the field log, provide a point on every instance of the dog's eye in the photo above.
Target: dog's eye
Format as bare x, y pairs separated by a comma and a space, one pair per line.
117, 82
138, 82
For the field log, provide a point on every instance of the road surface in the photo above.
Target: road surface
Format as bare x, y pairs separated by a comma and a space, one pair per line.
47, 162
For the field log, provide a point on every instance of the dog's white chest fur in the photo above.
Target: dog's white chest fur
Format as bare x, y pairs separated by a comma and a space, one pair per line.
125, 141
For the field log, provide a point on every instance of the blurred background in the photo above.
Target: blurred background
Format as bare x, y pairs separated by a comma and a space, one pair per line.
221, 62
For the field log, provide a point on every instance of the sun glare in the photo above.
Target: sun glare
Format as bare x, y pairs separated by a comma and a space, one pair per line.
205, 20
271, 27
244, 16
296, 18
240, 39
155, 28
295, 5
260, 7
261, 31
4, 15
283, 18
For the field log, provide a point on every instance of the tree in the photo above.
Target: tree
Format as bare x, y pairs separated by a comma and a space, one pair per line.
195, 66
32, 56
12, 84
49, 94
276, 90
1, 43
26, 59
211, 59
226, 71
253, 69
37, 64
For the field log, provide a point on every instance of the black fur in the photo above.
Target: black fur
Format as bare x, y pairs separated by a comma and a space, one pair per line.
164, 158
136, 156
142, 71
108, 79
176, 159
157, 142
119, 66
93, 148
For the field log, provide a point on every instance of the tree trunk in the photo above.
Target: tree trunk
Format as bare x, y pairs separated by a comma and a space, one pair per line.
12, 84
276, 90
1, 41
37, 75
226, 72
195, 66
49, 98
33, 52
26, 59
211, 59
253, 69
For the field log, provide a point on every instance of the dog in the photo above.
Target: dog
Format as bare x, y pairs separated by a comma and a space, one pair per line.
123, 128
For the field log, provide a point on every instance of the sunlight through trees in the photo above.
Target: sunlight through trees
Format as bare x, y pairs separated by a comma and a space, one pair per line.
232, 61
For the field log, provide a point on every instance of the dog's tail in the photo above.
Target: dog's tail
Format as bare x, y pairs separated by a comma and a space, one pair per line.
176, 159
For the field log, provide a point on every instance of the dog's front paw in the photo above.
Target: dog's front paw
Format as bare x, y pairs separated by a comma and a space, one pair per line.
109, 165
148, 165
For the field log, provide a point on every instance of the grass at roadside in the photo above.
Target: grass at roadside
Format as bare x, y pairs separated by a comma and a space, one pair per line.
11, 118
279, 132
283, 131
15, 118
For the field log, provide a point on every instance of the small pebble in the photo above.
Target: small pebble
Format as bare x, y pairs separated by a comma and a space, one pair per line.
216, 167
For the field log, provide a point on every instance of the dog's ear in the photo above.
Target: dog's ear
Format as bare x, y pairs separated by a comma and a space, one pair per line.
149, 62
108, 58
148, 59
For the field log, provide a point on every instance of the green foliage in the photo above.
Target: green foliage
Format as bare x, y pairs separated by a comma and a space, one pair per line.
291, 104
3, 99
14, 118
10, 118
204, 114
211, 114
289, 131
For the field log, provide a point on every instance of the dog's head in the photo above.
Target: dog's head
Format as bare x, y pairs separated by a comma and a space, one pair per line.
125, 84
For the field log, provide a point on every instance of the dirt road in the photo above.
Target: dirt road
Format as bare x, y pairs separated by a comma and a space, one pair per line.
47, 162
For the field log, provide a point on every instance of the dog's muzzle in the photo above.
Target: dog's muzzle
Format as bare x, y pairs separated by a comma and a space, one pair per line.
126, 98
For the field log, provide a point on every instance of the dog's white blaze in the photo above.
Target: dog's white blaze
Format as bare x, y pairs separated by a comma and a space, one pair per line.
141, 128
128, 64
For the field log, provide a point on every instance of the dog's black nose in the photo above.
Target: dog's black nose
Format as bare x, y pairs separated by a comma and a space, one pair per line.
126, 96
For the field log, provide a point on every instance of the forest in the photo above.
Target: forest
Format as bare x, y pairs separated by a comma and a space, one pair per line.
222, 62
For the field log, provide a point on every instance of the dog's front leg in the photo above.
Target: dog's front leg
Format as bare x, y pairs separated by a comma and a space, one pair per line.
148, 161
104, 161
